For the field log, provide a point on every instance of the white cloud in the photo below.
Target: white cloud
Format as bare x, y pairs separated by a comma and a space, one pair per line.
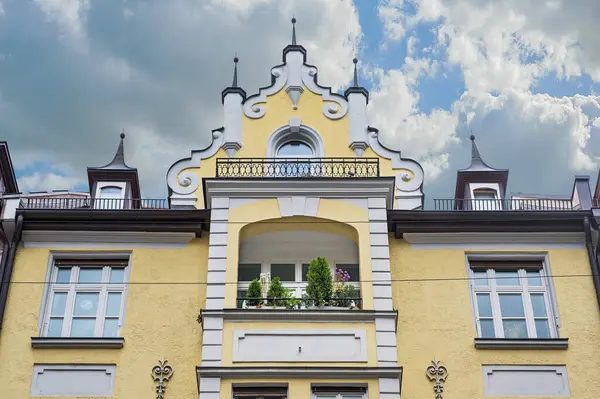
69, 16
47, 181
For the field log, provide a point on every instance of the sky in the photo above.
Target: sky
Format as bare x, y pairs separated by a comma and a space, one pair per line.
521, 75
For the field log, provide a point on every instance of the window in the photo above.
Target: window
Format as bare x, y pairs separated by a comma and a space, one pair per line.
109, 197
86, 298
293, 275
295, 149
485, 200
259, 392
329, 392
512, 299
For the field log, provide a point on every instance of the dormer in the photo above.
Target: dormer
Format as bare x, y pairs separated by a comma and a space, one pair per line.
115, 185
480, 187
8, 180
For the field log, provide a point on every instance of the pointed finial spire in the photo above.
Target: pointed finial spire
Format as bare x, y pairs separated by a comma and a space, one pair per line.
293, 31
235, 62
122, 135
355, 61
475, 156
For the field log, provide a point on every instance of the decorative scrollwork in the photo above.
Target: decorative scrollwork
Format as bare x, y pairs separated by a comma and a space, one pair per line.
161, 374
438, 374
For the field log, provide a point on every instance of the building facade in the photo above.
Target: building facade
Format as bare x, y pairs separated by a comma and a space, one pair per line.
294, 258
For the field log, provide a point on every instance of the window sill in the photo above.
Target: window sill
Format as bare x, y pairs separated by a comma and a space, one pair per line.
518, 343
77, 343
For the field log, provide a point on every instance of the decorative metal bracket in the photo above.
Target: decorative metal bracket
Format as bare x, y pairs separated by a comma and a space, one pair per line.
161, 375
438, 374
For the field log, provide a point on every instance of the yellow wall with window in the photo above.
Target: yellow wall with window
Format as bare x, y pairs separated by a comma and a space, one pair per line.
436, 321
160, 322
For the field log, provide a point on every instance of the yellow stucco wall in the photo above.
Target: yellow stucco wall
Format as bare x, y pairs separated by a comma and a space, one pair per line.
230, 327
436, 322
256, 133
300, 389
160, 322
333, 216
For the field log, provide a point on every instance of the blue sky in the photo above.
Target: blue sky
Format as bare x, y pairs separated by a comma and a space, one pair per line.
521, 75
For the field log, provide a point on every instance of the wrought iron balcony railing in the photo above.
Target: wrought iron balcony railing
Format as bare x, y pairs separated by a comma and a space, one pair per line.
521, 204
298, 167
89, 203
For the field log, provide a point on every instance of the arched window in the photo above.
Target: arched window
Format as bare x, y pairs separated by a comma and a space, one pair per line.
110, 197
485, 199
295, 148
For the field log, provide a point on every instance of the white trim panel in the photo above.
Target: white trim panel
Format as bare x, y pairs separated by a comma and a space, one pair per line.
73, 380
526, 381
479, 240
105, 239
300, 346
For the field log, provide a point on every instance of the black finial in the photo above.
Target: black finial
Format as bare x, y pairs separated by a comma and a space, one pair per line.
472, 137
122, 135
235, 62
293, 31
475, 155
355, 61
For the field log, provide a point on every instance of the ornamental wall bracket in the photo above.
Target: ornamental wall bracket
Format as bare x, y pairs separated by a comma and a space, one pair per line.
438, 374
161, 374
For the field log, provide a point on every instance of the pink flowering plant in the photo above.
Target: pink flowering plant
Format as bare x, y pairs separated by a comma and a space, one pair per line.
343, 293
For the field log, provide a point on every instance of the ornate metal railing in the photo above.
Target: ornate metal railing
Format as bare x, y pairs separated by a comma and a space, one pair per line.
295, 303
298, 167
89, 203
521, 204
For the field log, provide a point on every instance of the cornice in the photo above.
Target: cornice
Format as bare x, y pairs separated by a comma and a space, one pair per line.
376, 187
77, 343
300, 372
105, 239
495, 239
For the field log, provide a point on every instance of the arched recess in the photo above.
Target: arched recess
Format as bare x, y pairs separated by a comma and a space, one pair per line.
284, 247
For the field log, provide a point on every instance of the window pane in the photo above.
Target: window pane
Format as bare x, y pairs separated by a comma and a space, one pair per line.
514, 328
325, 396
248, 272
538, 304
507, 278
55, 327
113, 305
511, 305
542, 329
305, 271
480, 278
110, 192
487, 328
83, 327
485, 195
110, 327
58, 304
117, 275
285, 272
484, 305
86, 304
352, 396
294, 149
89, 275
534, 279
64, 275
353, 271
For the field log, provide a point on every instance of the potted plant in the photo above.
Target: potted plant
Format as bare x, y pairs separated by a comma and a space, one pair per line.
277, 295
320, 285
254, 294
342, 292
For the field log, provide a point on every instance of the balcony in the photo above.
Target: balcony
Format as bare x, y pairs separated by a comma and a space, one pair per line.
89, 203
521, 204
297, 168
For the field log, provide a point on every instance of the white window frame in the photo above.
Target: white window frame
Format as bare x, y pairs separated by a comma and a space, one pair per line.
102, 203
71, 289
340, 394
547, 289
298, 286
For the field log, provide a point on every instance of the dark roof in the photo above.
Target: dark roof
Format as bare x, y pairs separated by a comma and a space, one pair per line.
7, 170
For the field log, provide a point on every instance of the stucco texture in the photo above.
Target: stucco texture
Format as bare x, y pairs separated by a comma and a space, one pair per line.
160, 323
436, 322
256, 133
